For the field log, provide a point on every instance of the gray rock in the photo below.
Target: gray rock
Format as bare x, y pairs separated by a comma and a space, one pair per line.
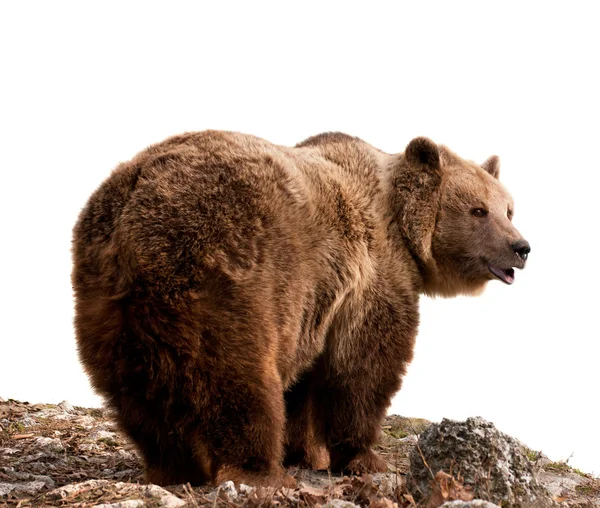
101, 434
164, 497
476, 503
66, 406
155, 495
229, 489
339, 503
49, 445
560, 484
73, 489
132, 503
45, 479
27, 421
493, 464
9, 451
30, 488
246, 489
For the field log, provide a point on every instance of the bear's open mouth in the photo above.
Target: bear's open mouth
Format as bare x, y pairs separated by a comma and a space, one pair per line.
506, 275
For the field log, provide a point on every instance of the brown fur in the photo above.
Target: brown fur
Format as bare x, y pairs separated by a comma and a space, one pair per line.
241, 305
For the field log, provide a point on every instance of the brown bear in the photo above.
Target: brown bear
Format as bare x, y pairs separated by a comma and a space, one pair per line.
244, 306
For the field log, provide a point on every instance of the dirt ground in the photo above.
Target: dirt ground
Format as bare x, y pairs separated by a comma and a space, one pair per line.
59, 455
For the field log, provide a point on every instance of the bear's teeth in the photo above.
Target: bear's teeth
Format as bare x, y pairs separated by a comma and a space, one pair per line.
510, 275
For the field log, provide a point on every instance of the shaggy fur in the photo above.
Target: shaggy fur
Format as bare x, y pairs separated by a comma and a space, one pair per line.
242, 305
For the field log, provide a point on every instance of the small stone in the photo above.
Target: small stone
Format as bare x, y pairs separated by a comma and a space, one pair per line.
559, 484
246, 489
27, 421
6, 488
131, 503
412, 439
387, 482
101, 434
75, 488
228, 488
49, 445
49, 482
476, 503
31, 488
88, 447
164, 497
124, 454
340, 503
66, 406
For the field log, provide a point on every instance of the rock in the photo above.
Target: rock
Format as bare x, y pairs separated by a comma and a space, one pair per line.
229, 489
74, 489
387, 483
102, 434
339, 503
225, 489
476, 503
132, 503
45, 479
246, 489
164, 497
9, 451
23, 483
66, 406
27, 421
30, 488
561, 484
49, 445
152, 494
491, 463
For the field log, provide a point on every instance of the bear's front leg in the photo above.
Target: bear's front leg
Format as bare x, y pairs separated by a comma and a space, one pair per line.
351, 419
357, 376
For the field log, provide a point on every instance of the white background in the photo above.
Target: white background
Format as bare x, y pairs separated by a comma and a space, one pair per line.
86, 85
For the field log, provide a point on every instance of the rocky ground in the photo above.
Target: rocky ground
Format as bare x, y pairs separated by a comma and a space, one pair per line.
59, 455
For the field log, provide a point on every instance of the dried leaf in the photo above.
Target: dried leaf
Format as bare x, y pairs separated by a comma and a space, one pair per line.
383, 503
410, 499
447, 488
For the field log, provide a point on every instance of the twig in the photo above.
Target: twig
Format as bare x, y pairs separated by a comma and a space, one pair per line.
421, 451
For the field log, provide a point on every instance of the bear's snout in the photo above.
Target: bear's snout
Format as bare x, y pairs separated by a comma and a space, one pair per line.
521, 248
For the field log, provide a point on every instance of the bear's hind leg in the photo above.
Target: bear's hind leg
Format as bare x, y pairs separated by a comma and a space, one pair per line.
247, 423
177, 465
303, 449
170, 454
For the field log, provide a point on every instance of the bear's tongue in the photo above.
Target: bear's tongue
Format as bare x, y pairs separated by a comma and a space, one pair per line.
507, 276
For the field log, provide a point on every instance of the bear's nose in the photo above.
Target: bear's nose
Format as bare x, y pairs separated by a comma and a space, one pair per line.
521, 248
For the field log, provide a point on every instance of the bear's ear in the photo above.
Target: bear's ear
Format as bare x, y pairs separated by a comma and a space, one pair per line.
492, 166
423, 152
416, 195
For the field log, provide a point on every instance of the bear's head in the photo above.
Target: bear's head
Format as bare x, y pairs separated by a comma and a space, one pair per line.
456, 218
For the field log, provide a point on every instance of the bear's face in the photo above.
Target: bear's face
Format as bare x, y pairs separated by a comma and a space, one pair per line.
474, 240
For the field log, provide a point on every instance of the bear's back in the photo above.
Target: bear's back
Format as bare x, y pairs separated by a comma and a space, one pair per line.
225, 201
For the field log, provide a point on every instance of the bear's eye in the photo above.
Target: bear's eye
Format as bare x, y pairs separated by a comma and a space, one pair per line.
479, 212
509, 214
